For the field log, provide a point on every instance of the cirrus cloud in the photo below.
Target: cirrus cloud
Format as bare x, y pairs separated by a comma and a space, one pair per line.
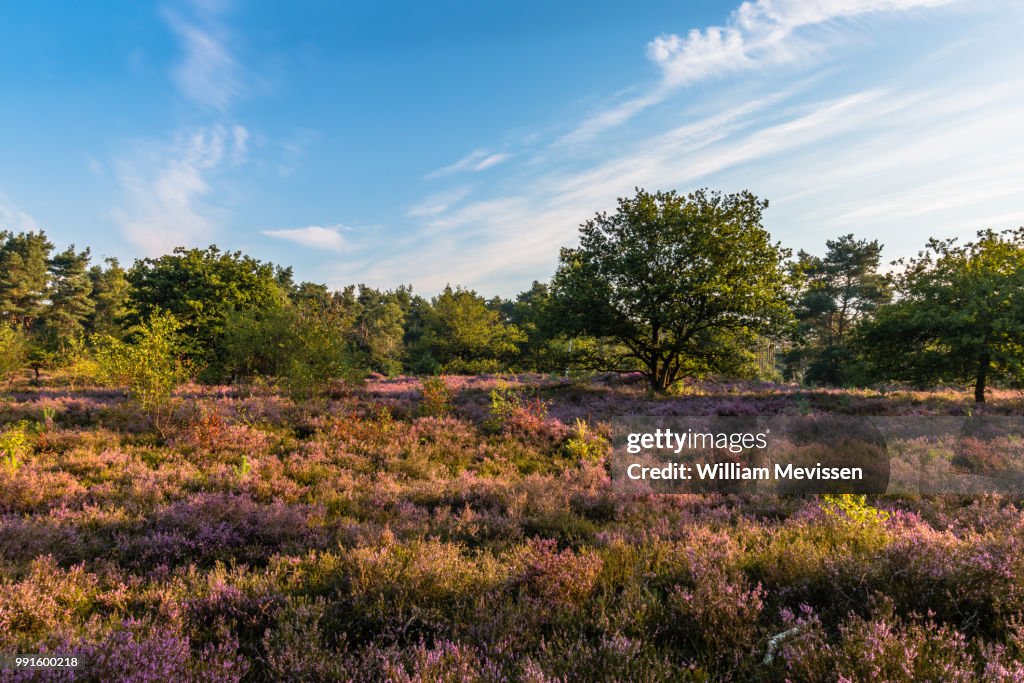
313, 236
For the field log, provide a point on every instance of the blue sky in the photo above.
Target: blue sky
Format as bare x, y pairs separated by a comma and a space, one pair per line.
464, 142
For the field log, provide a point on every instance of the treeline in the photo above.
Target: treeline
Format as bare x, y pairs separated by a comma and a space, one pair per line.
669, 285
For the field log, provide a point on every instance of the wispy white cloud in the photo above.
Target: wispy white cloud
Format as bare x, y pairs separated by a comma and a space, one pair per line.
475, 161
314, 236
439, 203
758, 34
208, 73
12, 217
164, 185
898, 162
514, 234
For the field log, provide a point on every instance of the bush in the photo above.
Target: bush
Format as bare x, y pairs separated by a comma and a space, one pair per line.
302, 348
15, 446
13, 351
585, 445
150, 366
854, 508
437, 397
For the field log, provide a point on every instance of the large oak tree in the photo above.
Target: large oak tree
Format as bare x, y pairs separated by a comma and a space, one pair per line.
680, 282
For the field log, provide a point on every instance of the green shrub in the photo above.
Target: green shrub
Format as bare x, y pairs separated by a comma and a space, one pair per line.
13, 351
151, 366
509, 405
78, 363
585, 445
437, 397
854, 508
15, 446
303, 348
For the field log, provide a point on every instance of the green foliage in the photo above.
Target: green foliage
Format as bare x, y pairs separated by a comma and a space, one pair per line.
545, 348
70, 306
201, 288
243, 468
510, 404
379, 327
24, 259
303, 347
150, 364
110, 293
48, 416
854, 508
959, 317
318, 356
585, 445
437, 397
14, 351
681, 283
505, 400
78, 363
461, 334
832, 296
15, 446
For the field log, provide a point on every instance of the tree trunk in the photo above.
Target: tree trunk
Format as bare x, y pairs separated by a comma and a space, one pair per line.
980, 378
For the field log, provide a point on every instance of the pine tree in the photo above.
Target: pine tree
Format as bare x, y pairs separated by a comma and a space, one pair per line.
23, 277
110, 293
70, 301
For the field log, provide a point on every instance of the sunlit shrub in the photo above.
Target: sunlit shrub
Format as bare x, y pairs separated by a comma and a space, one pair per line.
13, 351
152, 366
853, 507
15, 446
585, 445
437, 397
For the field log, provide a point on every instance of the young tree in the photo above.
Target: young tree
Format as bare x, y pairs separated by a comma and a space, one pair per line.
959, 315
150, 364
24, 259
70, 302
833, 294
678, 281
302, 346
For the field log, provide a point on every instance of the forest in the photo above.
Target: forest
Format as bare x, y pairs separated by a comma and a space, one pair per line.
673, 287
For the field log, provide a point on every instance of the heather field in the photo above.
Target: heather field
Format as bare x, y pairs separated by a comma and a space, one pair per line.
466, 529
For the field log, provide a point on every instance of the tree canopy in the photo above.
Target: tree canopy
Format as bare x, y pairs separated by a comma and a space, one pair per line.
833, 294
461, 333
200, 287
676, 280
24, 269
959, 316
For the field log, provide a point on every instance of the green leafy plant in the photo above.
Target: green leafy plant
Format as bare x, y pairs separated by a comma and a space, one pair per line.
151, 366
853, 507
13, 351
505, 400
48, 415
78, 363
511, 406
585, 445
15, 446
243, 468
